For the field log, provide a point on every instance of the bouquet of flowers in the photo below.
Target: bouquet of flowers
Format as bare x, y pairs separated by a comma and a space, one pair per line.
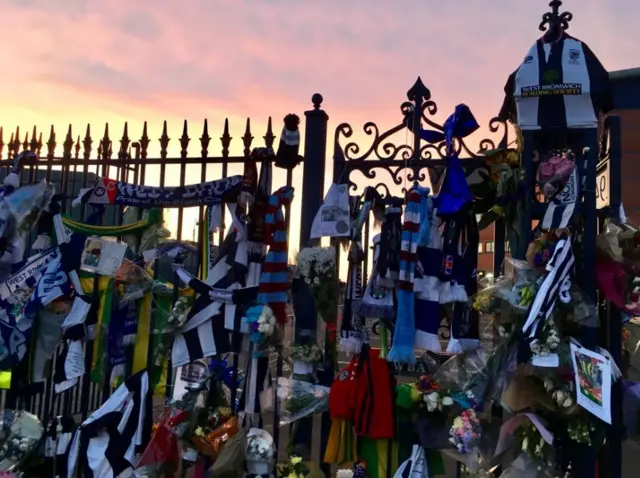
176, 320
296, 399
466, 431
317, 265
263, 328
305, 358
294, 467
306, 353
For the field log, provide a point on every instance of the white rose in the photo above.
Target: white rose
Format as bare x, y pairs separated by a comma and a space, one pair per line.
568, 402
316, 281
548, 384
447, 401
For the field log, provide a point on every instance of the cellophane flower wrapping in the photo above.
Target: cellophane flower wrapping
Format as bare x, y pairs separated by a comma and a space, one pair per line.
20, 210
524, 467
296, 399
20, 434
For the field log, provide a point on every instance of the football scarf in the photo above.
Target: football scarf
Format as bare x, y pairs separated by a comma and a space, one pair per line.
404, 333
70, 364
274, 281
107, 442
351, 334
465, 333
390, 247
427, 287
558, 85
29, 273
109, 191
562, 206
556, 284
103, 296
377, 301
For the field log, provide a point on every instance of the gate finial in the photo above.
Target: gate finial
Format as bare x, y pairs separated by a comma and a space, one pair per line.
554, 18
418, 91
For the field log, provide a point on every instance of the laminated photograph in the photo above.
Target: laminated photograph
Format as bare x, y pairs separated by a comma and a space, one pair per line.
333, 218
102, 256
593, 381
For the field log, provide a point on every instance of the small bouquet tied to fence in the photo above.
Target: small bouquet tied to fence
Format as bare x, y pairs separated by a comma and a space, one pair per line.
263, 330
317, 266
305, 358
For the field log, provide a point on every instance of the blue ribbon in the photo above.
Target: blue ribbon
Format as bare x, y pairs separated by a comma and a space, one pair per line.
454, 193
221, 370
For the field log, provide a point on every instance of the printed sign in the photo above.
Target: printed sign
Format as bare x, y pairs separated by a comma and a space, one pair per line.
602, 187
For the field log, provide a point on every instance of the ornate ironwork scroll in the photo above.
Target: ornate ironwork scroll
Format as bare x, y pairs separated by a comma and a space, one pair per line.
387, 151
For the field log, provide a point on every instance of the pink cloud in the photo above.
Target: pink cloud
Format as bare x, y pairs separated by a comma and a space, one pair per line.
266, 57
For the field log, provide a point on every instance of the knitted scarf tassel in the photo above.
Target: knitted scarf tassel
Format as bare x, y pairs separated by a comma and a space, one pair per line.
274, 282
404, 334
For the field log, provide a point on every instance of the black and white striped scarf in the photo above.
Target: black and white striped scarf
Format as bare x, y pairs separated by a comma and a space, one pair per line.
556, 284
558, 85
107, 442
562, 206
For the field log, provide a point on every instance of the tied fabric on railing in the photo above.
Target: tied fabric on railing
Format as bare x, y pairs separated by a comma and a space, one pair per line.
109, 191
274, 281
454, 193
154, 217
404, 334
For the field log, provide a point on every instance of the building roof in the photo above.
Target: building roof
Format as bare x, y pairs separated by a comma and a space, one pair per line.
628, 74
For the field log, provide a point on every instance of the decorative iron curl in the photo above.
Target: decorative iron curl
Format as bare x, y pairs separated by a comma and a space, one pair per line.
380, 148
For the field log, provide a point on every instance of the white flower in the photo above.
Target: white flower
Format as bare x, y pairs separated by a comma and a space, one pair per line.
525, 444
568, 402
432, 401
447, 401
548, 384
316, 281
559, 396
23, 447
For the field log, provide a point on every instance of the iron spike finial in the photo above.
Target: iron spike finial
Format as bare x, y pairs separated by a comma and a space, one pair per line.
555, 18
418, 91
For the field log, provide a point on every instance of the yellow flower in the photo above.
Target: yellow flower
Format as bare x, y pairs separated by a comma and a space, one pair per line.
295, 460
457, 423
415, 394
293, 474
199, 431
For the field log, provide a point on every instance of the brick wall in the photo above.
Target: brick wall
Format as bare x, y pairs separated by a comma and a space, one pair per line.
630, 120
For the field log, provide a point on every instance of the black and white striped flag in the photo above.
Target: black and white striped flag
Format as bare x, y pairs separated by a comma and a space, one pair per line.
107, 442
558, 85
204, 334
562, 206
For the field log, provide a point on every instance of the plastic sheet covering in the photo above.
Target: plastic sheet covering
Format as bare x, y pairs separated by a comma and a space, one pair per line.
525, 467
20, 434
296, 399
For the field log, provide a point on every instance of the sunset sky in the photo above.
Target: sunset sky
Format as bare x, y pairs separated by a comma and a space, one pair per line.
96, 61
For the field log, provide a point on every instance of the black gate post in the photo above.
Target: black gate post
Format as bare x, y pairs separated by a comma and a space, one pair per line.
312, 194
616, 430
